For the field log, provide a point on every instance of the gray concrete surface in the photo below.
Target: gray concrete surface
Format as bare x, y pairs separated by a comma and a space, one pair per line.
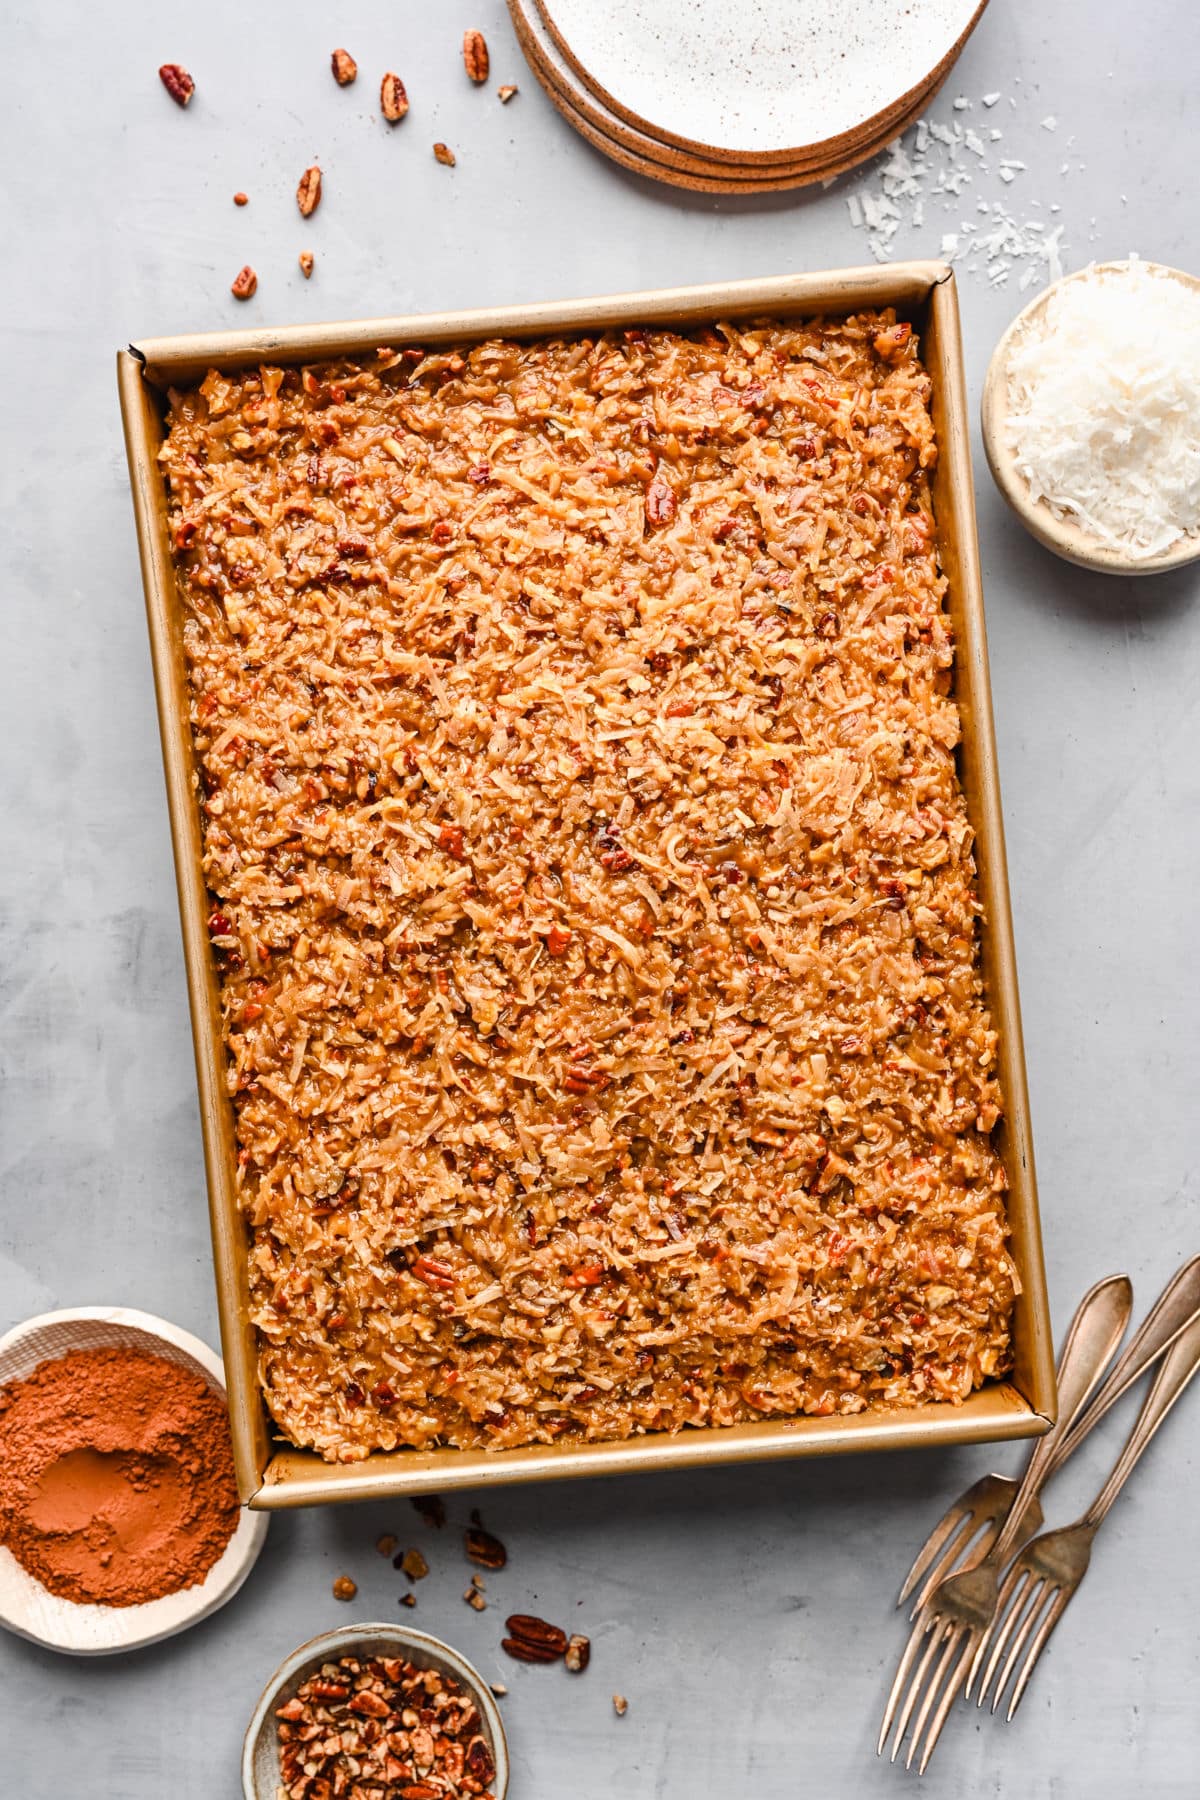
747, 1615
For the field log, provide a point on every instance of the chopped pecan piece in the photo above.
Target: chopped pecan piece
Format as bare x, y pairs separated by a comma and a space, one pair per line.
661, 504
620, 1705
240, 199
392, 98
306, 263
244, 283
308, 194
578, 1653
445, 155
344, 1588
506, 93
344, 67
177, 82
413, 1564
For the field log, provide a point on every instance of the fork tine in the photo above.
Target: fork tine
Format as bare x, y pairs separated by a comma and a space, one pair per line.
950, 1693
932, 1689
1038, 1645
911, 1651
935, 1693
925, 1627
958, 1553
1032, 1619
952, 1517
1015, 1588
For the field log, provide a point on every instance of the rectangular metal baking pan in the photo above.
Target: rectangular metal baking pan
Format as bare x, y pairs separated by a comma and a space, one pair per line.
272, 1473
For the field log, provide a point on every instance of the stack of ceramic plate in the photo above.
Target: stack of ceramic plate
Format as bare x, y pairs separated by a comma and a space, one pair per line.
742, 96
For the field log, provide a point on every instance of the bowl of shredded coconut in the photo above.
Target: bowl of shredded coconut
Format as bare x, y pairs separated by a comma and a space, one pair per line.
1091, 417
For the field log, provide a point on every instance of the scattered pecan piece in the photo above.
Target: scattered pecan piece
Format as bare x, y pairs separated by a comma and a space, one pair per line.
308, 194
413, 1564
244, 283
344, 1588
506, 93
474, 1597
557, 940
498, 1688
306, 263
578, 1653
620, 1705
392, 98
445, 155
409, 1599
483, 1548
240, 199
344, 67
475, 56
386, 1545
177, 82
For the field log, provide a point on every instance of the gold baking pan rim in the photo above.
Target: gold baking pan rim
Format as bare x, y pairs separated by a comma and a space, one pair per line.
272, 1474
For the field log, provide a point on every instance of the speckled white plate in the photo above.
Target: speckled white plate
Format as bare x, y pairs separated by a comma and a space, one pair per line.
260, 1750
765, 78
25, 1605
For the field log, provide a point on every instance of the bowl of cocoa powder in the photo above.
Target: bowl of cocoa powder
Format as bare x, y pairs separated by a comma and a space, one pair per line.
119, 1515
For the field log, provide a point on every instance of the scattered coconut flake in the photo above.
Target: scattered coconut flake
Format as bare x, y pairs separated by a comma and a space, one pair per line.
962, 103
990, 99
928, 169
1104, 407
1050, 123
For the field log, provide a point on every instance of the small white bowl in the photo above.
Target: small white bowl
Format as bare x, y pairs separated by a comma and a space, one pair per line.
260, 1751
25, 1605
1061, 535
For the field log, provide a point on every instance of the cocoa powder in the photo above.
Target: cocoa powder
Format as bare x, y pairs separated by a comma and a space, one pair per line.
116, 1476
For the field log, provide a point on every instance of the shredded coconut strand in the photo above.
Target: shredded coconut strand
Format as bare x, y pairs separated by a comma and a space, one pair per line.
1104, 407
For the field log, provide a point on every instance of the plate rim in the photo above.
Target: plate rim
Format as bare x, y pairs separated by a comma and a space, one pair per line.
763, 158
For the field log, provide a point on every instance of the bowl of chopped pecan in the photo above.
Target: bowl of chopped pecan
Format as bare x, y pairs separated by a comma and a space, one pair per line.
375, 1710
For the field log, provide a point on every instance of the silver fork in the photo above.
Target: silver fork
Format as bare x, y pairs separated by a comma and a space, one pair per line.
1041, 1581
966, 1532
951, 1628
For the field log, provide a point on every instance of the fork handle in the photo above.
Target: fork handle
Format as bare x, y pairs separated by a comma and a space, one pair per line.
1179, 1365
1162, 1324
1096, 1330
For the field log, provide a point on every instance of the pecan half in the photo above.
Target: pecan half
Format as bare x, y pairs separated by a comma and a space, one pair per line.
344, 67
244, 283
392, 98
306, 263
445, 155
531, 1639
578, 1653
484, 1549
520, 1651
177, 82
308, 194
475, 56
